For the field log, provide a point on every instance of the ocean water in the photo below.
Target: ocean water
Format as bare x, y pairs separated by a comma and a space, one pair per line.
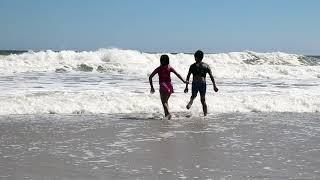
116, 81
90, 115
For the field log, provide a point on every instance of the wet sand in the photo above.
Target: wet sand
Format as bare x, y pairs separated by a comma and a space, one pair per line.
140, 146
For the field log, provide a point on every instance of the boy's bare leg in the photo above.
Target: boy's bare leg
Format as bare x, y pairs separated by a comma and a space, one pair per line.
190, 102
204, 105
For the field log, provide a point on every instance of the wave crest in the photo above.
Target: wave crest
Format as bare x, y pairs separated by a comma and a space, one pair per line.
130, 62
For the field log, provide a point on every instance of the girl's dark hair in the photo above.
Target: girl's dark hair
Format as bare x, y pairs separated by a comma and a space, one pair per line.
164, 60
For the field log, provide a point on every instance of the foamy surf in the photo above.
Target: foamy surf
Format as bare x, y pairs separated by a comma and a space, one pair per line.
115, 81
243, 65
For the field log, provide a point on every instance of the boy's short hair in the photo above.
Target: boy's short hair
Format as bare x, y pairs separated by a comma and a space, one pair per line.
198, 55
164, 60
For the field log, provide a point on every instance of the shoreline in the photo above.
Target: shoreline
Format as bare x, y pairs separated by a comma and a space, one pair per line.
231, 146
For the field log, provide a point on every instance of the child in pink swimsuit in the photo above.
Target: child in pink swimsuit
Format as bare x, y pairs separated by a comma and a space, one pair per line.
166, 88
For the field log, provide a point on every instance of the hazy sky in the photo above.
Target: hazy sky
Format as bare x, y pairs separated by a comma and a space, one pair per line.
162, 25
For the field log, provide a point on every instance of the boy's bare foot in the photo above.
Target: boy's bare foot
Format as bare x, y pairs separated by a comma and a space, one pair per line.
189, 105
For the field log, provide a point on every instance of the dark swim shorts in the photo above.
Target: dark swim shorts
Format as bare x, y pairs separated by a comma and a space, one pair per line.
199, 86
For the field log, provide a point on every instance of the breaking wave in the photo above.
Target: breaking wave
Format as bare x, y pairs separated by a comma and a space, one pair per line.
115, 81
244, 65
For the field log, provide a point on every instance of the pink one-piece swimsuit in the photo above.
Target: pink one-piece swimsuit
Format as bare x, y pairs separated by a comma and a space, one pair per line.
165, 79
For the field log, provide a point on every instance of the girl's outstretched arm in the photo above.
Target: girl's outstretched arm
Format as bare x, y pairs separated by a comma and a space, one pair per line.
179, 76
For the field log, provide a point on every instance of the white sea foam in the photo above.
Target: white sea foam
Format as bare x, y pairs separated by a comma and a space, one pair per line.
115, 81
120, 102
241, 65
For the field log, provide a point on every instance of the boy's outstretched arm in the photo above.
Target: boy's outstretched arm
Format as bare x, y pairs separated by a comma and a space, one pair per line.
187, 81
213, 81
150, 80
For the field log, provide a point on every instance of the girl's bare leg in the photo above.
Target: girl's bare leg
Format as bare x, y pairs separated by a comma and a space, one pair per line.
164, 100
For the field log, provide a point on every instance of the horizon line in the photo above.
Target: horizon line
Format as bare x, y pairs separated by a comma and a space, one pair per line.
16, 51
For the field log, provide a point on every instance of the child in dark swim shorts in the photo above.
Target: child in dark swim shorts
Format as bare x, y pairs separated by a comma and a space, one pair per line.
199, 70
166, 88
